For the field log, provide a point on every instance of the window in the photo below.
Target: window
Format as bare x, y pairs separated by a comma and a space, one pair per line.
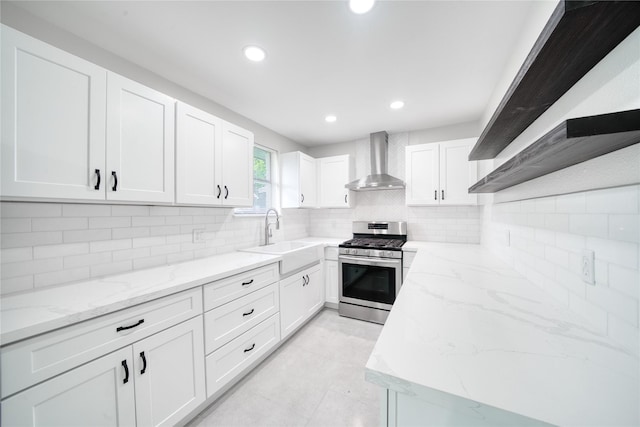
262, 182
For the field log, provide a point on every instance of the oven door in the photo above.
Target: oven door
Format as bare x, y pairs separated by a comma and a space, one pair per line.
370, 282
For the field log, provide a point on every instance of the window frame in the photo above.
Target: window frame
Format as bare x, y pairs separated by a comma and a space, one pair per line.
273, 182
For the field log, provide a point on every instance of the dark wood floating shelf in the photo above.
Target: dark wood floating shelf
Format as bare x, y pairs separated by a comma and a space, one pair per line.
578, 35
571, 142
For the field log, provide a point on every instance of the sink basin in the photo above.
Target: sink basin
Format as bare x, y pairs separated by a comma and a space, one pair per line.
295, 254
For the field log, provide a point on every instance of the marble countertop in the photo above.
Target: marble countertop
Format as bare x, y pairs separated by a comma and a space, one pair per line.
467, 326
27, 314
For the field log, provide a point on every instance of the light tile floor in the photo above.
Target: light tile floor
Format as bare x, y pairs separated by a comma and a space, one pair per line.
315, 379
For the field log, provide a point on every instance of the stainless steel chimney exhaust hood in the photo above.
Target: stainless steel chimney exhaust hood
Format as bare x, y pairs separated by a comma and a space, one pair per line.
379, 178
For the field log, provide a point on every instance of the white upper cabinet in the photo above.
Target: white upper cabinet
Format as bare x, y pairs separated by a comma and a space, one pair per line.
198, 136
214, 160
298, 180
53, 121
333, 173
440, 173
236, 166
140, 142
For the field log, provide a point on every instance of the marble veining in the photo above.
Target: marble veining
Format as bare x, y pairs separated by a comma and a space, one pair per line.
39, 311
468, 327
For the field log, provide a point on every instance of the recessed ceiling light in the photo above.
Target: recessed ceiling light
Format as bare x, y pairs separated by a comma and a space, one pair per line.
254, 53
396, 105
330, 118
361, 6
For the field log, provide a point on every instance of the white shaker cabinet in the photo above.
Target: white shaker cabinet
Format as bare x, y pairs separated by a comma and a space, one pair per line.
236, 165
214, 160
333, 173
94, 394
440, 173
331, 277
299, 185
140, 142
301, 295
53, 121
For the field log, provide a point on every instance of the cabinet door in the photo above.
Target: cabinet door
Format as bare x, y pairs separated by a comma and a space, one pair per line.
140, 142
333, 174
313, 291
292, 309
53, 121
94, 394
422, 167
169, 373
198, 136
457, 173
236, 166
308, 191
331, 281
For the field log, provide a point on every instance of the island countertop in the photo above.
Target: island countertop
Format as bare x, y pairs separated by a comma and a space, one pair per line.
467, 326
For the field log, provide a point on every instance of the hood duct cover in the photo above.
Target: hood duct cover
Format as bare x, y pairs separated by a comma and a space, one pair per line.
379, 178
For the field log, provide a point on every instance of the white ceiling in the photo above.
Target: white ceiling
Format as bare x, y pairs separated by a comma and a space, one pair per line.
442, 58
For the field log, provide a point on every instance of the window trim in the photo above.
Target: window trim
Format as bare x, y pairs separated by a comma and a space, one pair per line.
275, 186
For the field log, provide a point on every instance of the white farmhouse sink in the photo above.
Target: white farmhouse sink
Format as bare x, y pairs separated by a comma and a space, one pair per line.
295, 254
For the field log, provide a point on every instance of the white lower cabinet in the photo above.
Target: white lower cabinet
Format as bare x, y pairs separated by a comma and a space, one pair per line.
94, 394
301, 295
154, 382
331, 276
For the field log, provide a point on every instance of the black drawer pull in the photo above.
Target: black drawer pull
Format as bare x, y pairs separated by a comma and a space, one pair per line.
246, 350
97, 187
144, 363
301, 198
435, 194
345, 198
126, 372
248, 313
442, 194
115, 183
247, 283
124, 328
219, 191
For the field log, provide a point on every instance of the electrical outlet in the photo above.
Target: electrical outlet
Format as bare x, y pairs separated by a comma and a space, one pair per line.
588, 261
198, 235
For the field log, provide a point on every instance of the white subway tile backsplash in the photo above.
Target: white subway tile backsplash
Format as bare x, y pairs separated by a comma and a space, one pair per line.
16, 255
26, 268
110, 245
141, 242
16, 284
613, 200
29, 210
62, 276
126, 210
15, 225
18, 240
110, 222
571, 203
614, 302
59, 224
624, 227
615, 252
73, 261
570, 281
557, 256
557, 222
72, 236
149, 262
164, 210
189, 255
125, 233
625, 280
178, 220
85, 210
111, 268
147, 221
596, 225
164, 230
53, 251
129, 254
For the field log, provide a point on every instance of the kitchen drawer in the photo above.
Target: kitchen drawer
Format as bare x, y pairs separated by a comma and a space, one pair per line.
224, 323
225, 290
331, 253
224, 364
36, 359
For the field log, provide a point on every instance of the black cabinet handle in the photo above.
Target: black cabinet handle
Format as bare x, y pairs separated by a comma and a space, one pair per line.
301, 198
97, 187
442, 194
144, 363
126, 372
345, 199
248, 313
246, 350
247, 283
124, 328
226, 194
308, 280
435, 194
219, 191
115, 183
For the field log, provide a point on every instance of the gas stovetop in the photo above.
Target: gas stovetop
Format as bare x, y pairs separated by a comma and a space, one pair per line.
374, 243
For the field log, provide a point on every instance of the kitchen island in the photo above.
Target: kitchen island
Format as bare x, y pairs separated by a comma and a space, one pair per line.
470, 342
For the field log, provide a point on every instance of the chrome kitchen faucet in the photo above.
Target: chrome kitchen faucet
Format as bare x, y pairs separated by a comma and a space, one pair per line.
267, 228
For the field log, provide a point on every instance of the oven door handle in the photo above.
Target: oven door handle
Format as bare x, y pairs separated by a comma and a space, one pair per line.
377, 262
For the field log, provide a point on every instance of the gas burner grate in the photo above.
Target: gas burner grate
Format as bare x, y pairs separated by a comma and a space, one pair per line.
373, 243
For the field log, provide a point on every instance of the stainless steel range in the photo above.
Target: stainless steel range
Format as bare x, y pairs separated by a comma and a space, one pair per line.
370, 269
